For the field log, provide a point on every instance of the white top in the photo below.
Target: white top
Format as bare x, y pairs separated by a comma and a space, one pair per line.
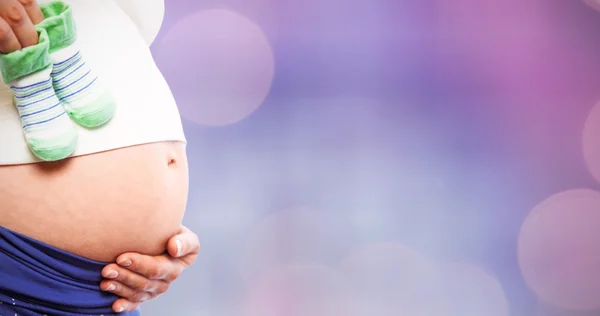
114, 37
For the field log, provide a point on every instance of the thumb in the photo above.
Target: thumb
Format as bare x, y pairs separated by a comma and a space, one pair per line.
183, 244
175, 246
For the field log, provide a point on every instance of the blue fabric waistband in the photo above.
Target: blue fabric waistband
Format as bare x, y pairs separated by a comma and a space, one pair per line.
38, 279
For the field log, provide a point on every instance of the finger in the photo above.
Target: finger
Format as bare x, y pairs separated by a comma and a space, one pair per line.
134, 280
183, 244
8, 40
123, 305
162, 267
18, 20
33, 11
123, 291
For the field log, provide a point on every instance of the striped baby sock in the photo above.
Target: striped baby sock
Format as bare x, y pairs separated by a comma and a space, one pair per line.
76, 85
49, 132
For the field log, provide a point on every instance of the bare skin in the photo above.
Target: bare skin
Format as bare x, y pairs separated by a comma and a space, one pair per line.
17, 24
146, 276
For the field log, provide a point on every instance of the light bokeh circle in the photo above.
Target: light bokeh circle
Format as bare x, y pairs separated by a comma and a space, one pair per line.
293, 236
390, 278
301, 290
595, 4
468, 290
547, 310
219, 64
591, 142
559, 250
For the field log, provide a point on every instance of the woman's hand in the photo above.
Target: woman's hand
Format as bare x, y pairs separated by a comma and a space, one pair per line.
137, 278
17, 20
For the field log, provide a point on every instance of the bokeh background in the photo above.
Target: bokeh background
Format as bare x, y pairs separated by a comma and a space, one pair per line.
388, 157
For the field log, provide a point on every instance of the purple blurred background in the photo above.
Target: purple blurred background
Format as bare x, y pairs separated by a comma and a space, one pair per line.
388, 157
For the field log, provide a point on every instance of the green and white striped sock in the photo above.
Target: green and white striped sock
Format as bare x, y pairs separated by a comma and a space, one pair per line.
76, 85
79, 89
49, 132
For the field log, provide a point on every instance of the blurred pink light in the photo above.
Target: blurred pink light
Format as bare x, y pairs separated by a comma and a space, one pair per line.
222, 61
546, 310
593, 3
559, 250
512, 47
297, 235
591, 142
468, 290
389, 278
301, 290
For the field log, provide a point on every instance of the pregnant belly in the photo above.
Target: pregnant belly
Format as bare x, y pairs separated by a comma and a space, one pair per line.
101, 205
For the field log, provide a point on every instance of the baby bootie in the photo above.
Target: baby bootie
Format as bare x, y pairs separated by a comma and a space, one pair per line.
82, 95
49, 132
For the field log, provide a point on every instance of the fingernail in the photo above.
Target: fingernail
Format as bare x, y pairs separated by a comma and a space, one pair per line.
112, 274
179, 246
121, 309
111, 287
125, 263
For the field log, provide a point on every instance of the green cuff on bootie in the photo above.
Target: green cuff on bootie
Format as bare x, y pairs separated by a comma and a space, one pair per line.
59, 23
26, 61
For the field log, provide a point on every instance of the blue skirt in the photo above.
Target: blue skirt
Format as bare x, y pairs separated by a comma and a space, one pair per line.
37, 279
